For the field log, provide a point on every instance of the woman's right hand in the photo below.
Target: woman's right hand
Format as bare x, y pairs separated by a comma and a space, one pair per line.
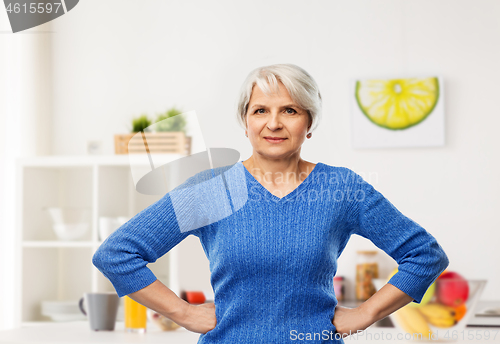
199, 318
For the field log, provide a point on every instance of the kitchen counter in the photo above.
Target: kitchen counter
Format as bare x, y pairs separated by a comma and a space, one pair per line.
80, 332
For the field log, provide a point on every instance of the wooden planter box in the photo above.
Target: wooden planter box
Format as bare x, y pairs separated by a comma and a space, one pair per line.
154, 143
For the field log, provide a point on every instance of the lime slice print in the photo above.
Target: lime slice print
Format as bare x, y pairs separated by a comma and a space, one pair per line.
398, 103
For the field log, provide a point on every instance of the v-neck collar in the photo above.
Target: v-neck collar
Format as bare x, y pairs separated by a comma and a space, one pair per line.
297, 189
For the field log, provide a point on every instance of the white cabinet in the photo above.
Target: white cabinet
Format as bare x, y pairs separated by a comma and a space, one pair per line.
51, 269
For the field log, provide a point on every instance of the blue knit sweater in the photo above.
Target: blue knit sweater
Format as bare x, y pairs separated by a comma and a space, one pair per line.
272, 260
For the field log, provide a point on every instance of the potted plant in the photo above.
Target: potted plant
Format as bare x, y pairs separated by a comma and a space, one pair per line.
175, 123
140, 123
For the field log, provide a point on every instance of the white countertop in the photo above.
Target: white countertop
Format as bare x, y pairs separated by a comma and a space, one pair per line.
80, 332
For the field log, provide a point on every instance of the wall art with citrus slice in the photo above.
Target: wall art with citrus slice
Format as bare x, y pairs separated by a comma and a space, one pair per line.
404, 112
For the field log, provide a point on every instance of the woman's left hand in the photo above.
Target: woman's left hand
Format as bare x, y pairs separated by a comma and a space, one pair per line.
349, 321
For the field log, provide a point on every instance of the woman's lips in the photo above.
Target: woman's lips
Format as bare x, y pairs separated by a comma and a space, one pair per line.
268, 139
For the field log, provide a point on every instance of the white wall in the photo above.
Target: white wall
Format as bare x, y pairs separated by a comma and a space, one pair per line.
115, 59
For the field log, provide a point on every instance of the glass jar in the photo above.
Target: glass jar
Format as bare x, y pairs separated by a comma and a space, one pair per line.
366, 270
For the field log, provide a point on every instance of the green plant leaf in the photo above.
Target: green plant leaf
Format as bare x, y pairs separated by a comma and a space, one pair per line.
174, 123
140, 123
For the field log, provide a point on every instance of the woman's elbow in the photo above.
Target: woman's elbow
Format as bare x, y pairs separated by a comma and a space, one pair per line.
99, 259
444, 261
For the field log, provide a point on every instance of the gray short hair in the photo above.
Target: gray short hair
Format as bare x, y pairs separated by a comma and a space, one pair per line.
299, 84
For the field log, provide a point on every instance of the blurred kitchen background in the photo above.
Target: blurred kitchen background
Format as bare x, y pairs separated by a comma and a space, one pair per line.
79, 80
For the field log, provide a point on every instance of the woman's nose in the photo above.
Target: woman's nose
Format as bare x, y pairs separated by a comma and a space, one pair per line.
274, 122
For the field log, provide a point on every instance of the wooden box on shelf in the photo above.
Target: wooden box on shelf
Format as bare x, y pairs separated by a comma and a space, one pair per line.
158, 143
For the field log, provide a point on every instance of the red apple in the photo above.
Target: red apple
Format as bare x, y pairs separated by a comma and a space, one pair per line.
452, 289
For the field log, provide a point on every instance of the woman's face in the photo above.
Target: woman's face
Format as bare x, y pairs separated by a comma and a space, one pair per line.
276, 116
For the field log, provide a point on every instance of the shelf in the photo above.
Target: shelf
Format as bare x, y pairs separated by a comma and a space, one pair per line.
53, 269
41, 243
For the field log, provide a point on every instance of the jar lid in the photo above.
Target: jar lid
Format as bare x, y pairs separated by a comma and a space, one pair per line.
367, 252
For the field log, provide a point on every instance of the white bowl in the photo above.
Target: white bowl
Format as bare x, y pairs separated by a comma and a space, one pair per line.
66, 317
70, 231
62, 310
60, 306
70, 223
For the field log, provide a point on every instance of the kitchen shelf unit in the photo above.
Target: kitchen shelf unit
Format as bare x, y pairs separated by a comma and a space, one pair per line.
54, 270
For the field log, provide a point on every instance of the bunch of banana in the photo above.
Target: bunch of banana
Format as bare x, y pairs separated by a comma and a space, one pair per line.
439, 315
412, 321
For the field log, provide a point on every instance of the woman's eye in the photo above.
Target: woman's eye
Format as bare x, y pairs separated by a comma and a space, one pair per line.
289, 111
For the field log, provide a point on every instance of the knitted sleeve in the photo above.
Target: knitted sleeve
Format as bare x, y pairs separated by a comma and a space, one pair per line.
419, 256
123, 256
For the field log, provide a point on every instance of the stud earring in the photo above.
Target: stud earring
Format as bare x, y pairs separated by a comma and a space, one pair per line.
246, 134
309, 135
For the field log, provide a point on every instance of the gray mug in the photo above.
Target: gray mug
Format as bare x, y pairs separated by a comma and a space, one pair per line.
101, 310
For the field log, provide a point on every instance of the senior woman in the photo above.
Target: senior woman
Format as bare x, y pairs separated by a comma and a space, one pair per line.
273, 260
